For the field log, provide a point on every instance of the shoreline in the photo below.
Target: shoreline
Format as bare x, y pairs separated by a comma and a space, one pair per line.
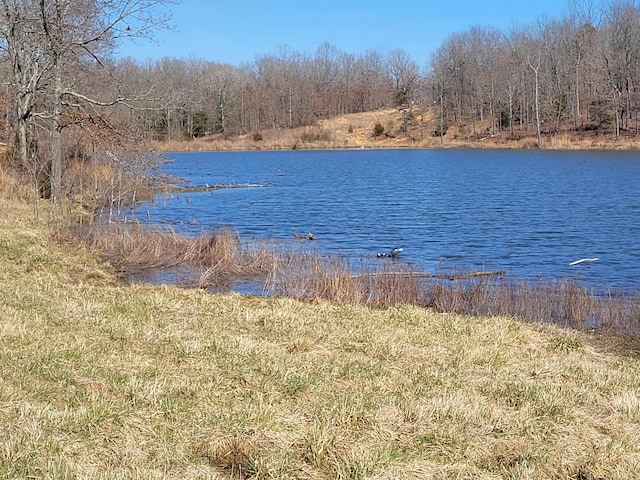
188, 144
355, 131
158, 147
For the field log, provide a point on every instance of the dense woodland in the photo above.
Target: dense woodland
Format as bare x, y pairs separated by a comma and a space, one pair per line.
68, 98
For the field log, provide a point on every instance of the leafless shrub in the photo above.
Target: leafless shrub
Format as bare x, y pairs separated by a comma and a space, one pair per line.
133, 246
392, 285
113, 182
225, 257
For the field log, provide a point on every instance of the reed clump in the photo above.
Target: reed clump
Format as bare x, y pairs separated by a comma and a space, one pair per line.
134, 247
566, 303
225, 257
220, 257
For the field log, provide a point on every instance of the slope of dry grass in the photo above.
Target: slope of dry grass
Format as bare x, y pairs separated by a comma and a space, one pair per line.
357, 131
100, 380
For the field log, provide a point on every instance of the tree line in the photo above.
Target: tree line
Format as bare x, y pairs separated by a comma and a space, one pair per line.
68, 98
285, 89
580, 71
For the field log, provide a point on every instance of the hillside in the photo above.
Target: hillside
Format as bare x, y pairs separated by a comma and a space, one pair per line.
101, 380
357, 131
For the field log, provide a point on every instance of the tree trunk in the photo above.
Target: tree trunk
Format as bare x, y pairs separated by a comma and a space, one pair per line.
56, 140
537, 98
23, 150
441, 118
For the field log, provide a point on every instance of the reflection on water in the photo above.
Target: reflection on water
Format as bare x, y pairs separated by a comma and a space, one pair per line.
529, 213
181, 275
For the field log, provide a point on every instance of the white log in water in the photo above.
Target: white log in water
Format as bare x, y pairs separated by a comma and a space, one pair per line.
582, 260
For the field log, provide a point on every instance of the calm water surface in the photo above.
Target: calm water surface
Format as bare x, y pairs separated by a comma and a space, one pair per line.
529, 213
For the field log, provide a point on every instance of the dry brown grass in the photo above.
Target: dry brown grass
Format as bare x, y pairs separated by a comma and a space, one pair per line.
356, 131
563, 302
106, 381
347, 131
220, 257
136, 247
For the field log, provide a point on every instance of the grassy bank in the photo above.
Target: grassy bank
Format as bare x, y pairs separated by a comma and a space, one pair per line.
100, 380
358, 130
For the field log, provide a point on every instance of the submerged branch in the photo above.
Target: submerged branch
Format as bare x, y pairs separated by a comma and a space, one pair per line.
438, 276
208, 188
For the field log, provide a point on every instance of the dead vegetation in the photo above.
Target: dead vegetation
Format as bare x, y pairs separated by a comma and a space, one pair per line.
393, 128
222, 258
108, 381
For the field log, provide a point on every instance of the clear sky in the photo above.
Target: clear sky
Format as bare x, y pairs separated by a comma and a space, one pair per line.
236, 31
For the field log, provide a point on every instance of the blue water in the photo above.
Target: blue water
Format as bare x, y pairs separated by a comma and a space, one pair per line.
530, 213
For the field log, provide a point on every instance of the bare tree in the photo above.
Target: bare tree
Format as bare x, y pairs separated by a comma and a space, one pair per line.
405, 74
621, 59
370, 82
536, 71
324, 75
53, 43
442, 79
21, 39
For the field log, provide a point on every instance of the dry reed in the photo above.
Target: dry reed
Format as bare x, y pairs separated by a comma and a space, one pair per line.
565, 302
223, 258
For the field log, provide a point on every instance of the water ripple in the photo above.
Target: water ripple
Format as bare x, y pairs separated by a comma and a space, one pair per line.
530, 213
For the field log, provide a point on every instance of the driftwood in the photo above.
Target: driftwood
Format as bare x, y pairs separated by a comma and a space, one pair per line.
582, 260
220, 186
439, 276
391, 254
306, 236
193, 221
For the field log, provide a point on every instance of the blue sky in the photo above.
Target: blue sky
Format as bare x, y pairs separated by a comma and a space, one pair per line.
235, 31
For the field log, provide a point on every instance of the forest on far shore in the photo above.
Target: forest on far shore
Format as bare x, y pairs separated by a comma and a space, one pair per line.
577, 72
67, 98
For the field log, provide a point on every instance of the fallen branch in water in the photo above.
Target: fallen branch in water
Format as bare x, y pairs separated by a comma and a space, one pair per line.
583, 260
439, 276
307, 236
209, 188
220, 186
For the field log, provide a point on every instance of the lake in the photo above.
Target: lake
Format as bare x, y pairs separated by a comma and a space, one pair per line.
530, 213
